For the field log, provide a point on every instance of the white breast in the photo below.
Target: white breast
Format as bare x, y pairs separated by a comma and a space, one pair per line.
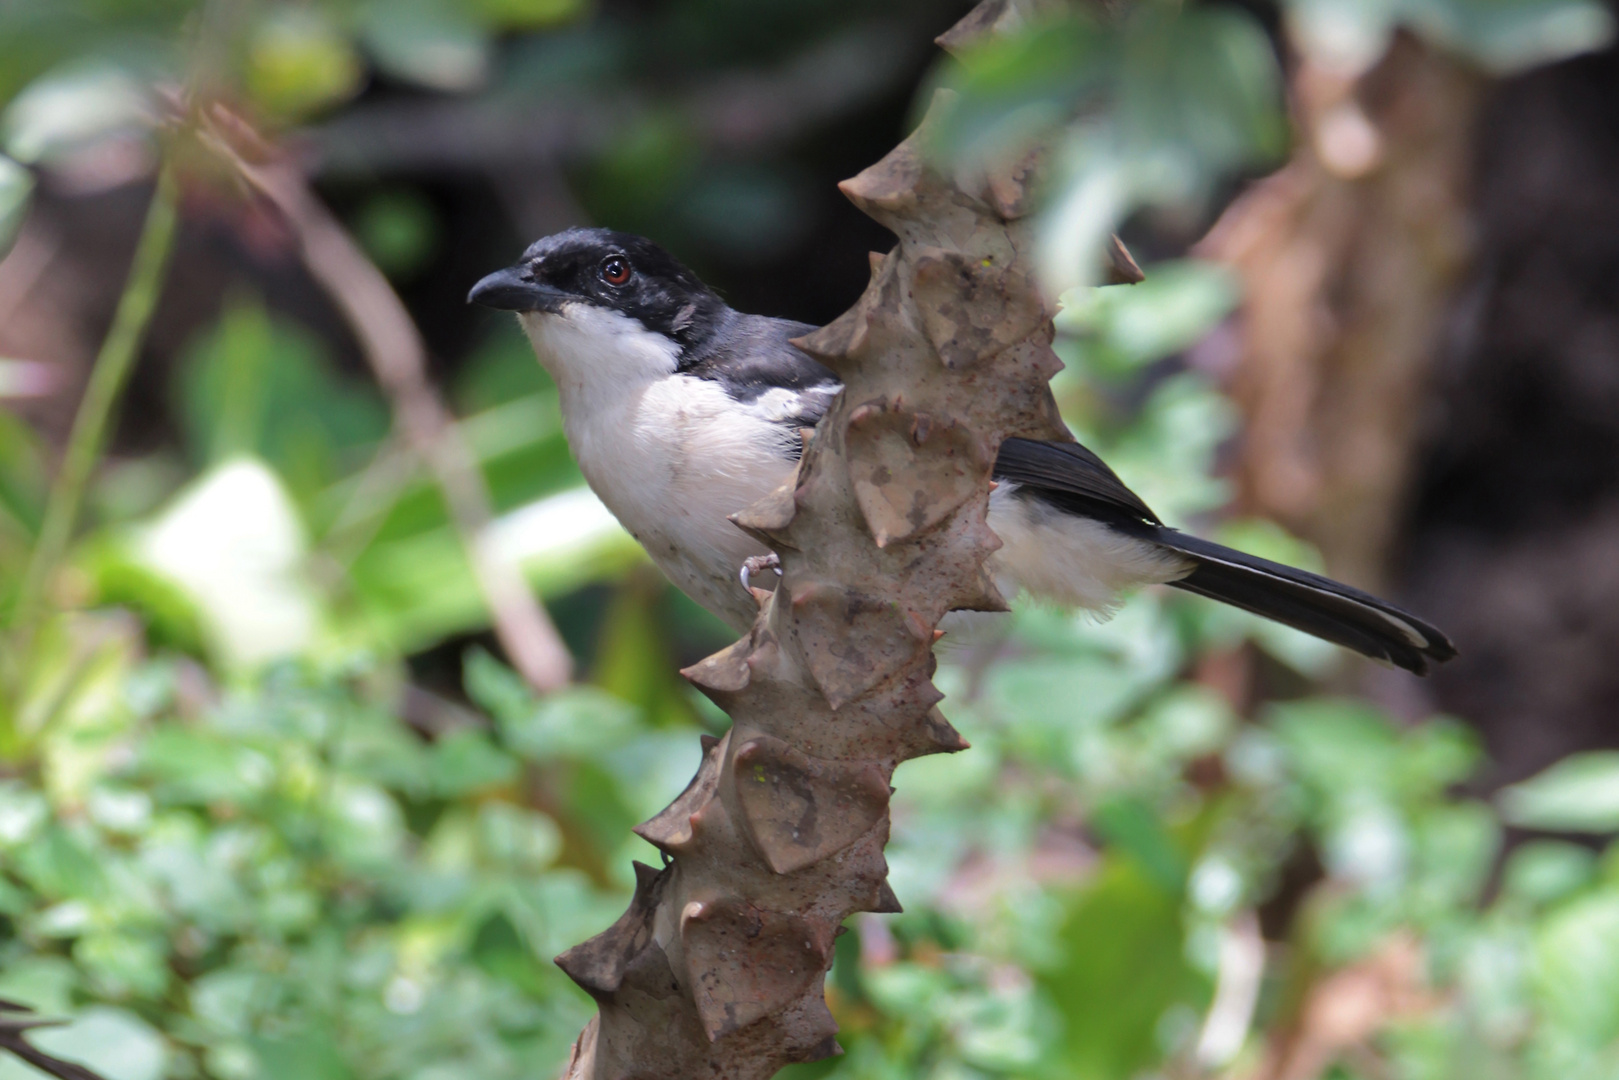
670, 455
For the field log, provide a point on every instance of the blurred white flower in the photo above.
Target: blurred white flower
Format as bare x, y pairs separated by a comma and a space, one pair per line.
233, 542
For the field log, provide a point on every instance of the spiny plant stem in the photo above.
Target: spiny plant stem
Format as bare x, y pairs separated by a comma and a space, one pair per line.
107, 378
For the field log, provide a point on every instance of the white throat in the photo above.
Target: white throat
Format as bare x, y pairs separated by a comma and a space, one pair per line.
597, 356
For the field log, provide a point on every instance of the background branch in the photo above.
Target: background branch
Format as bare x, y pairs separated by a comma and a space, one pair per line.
16, 1020
397, 355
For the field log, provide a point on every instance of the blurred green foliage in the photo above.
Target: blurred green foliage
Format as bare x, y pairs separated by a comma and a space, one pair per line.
245, 834
285, 880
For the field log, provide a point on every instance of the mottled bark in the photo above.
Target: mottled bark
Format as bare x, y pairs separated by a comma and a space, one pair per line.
716, 969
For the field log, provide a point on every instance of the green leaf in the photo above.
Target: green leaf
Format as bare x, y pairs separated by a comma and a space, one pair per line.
579, 723
120, 965
16, 185
528, 14
1012, 88
513, 836
419, 589
1158, 106
384, 751
365, 826
500, 950
1199, 86
1577, 969
265, 385
1504, 36
308, 1055
169, 614
429, 42
22, 493
1347, 34
1167, 454
61, 865
1120, 967
44, 983
1437, 754
1545, 871
23, 814
1039, 697
501, 369
632, 654
298, 62
496, 688
467, 761
1338, 745
1186, 722
1508, 36
1457, 845
193, 767
1578, 794
117, 1044
73, 108
1132, 827
399, 229
222, 999
1122, 329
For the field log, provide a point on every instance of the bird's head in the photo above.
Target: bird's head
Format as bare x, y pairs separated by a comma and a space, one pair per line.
591, 275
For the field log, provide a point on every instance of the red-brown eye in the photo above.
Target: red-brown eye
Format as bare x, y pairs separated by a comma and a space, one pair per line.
616, 270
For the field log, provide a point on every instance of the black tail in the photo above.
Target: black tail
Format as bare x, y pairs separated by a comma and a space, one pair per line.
1309, 602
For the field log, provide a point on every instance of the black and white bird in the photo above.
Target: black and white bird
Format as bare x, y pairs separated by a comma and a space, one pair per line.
682, 411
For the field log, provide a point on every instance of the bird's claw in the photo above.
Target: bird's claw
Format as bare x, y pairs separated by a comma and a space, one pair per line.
755, 563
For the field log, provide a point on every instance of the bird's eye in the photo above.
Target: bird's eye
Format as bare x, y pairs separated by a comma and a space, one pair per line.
615, 270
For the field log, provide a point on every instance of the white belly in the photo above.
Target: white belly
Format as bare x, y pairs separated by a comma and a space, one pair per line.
671, 462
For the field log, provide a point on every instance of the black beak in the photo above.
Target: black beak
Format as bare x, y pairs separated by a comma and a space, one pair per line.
508, 290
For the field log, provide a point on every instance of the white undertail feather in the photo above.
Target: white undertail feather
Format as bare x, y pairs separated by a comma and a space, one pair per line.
1075, 561
672, 455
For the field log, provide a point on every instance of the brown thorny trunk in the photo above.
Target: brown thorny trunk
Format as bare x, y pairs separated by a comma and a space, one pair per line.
716, 969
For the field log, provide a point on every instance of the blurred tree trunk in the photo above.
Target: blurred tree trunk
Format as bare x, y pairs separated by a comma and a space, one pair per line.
1427, 373
716, 969
1349, 256
1514, 530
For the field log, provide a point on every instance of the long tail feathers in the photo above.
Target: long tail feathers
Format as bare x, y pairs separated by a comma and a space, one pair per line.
1309, 602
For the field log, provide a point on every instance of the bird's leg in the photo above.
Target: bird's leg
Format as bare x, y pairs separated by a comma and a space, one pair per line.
755, 563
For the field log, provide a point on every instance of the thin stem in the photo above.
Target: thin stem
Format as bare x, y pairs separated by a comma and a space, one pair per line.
107, 379
394, 348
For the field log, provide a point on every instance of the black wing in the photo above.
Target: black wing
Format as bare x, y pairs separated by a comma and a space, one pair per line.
755, 358
1072, 478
